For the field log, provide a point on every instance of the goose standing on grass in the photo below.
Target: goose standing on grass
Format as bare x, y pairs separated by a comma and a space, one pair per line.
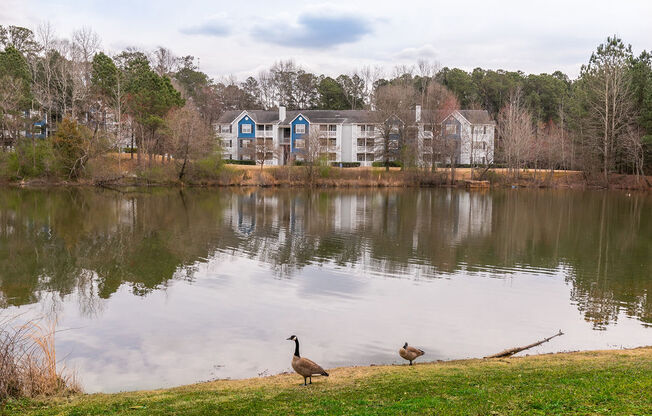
304, 366
410, 353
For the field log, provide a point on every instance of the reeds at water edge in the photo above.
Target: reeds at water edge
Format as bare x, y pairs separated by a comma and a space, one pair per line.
28, 362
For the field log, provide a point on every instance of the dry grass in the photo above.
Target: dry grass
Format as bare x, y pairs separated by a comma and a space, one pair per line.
28, 362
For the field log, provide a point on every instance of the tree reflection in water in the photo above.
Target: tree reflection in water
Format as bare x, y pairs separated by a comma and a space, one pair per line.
57, 242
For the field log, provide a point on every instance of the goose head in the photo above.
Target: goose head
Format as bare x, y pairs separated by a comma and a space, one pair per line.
292, 338
405, 346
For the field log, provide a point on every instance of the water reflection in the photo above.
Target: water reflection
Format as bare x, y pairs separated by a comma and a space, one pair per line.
93, 242
154, 278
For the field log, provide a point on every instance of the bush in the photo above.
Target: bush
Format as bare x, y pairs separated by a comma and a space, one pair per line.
345, 164
239, 162
30, 159
71, 144
392, 164
324, 171
209, 167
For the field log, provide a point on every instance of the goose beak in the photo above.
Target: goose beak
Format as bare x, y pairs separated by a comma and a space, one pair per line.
289, 339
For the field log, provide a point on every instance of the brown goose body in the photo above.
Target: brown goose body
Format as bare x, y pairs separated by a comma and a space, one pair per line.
410, 353
303, 366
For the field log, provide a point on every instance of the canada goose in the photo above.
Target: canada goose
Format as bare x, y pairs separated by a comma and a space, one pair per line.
410, 353
304, 366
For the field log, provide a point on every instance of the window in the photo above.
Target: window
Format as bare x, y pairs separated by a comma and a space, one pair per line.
484, 146
299, 128
323, 127
360, 157
299, 143
332, 156
360, 142
370, 157
484, 130
240, 144
427, 143
226, 128
268, 127
245, 128
451, 129
332, 127
227, 143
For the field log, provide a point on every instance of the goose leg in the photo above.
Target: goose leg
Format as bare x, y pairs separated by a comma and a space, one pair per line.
304, 381
410, 362
310, 379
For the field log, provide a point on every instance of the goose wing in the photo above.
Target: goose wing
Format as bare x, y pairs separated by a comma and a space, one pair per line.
416, 351
305, 366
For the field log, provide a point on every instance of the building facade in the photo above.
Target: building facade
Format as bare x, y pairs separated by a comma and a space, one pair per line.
278, 136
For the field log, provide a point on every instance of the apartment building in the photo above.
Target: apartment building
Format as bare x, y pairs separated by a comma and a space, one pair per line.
347, 135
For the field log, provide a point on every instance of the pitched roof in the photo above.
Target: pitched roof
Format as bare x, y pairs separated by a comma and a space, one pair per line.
334, 116
259, 116
473, 116
340, 116
315, 116
477, 116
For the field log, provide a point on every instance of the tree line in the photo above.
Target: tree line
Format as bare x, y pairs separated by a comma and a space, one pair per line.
161, 106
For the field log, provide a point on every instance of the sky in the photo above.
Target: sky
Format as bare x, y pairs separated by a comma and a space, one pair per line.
240, 38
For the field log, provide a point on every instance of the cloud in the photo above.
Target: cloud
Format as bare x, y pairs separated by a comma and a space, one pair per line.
314, 30
422, 52
216, 26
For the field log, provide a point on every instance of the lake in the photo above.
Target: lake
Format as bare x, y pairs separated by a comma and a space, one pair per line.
157, 288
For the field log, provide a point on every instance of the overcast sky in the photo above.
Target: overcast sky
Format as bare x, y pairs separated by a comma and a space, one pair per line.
241, 37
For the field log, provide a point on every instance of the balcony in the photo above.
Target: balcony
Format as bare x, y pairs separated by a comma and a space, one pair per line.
264, 133
367, 133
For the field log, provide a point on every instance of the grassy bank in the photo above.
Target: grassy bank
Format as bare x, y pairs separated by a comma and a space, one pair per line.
600, 382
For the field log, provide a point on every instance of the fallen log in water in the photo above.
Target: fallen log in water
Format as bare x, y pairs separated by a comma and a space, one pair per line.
512, 351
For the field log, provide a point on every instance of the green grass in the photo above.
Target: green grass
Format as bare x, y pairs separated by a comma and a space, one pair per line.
588, 383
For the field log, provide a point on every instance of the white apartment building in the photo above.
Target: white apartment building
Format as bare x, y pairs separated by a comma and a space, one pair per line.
346, 135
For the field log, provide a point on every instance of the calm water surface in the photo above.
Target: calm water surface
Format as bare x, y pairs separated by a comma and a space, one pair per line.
167, 287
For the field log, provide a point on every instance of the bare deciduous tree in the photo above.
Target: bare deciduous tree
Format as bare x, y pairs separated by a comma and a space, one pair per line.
188, 138
516, 132
394, 116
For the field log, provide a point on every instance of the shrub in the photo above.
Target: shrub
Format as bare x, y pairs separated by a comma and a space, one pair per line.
324, 171
209, 167
392, 164
345, 164
71, 144
30, 159
239, 162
